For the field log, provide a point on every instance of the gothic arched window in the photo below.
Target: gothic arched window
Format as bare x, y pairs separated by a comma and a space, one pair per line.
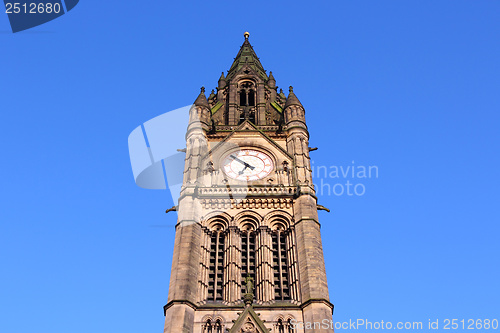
280, 326
251, 97
243, 98
216, 267
207, 328
218, 326
291, 328
247, 97
280, 265
247, 94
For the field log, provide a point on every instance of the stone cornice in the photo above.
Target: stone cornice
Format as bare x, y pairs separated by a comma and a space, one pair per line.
236, 307
248, 191
317, 300
307, 219
178, 302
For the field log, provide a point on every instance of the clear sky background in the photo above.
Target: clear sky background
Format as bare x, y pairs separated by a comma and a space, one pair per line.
409, 86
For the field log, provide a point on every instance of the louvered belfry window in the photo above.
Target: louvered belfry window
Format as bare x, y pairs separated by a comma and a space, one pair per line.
248, 246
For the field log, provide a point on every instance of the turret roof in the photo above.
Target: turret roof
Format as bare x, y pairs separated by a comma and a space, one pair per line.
202, 99
292, 99
246, 57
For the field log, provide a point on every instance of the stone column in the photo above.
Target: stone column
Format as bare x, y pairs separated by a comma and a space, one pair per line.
264, 290
232, 274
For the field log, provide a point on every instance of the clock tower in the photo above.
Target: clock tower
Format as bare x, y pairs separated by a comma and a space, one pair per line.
247, 253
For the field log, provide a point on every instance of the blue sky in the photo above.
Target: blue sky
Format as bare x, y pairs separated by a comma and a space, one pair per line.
408, 86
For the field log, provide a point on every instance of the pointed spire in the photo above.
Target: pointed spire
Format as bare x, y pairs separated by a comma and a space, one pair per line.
292, 99
202, 99
282, 95
247, 57
222, 81
212, 94
271, 82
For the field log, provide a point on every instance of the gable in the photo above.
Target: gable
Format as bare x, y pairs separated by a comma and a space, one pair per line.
247, 134
249, 322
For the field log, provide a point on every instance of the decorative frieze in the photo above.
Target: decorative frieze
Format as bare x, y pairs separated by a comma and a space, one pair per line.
247, 203
246, 191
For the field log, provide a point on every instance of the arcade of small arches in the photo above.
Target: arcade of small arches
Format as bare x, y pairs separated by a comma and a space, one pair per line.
281, 324
213, 325
248, 245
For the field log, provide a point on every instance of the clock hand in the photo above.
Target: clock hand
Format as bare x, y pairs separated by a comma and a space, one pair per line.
241, 172
249, 166
242, 162
237, 159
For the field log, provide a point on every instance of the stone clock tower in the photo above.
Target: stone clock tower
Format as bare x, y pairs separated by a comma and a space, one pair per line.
247, 254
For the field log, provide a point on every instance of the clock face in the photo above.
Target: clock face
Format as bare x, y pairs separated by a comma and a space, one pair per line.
247, 164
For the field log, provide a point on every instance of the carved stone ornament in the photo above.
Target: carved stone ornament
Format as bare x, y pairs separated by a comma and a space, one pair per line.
248, 327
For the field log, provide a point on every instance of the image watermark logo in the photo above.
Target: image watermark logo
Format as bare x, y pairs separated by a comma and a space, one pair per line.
165, 156
26, 14
366, 325
340, 180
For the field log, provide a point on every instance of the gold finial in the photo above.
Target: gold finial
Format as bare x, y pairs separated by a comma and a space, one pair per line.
291, 89
246, 34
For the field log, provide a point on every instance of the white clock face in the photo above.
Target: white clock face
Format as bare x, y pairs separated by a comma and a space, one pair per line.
247, 164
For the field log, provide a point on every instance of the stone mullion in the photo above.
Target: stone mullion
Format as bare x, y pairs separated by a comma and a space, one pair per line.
227, 269
262, 294
247, 235
226, 284
292, 263
237, 265
263, 266
278, 239
269, 269
216, 268
259, 259
258, 267
232, 271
